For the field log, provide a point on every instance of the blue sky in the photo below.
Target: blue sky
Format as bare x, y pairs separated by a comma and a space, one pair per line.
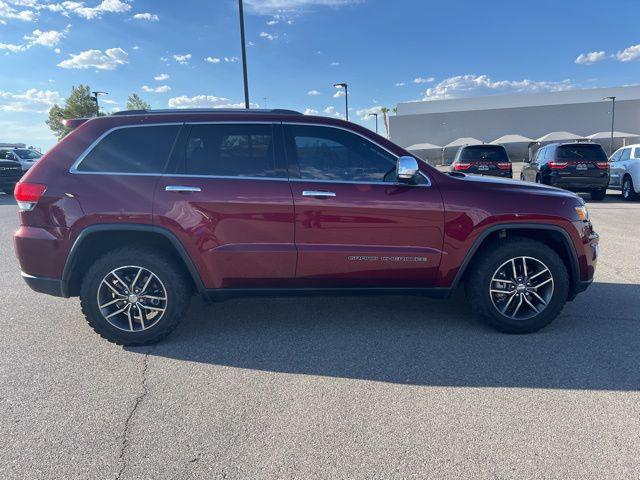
186, 53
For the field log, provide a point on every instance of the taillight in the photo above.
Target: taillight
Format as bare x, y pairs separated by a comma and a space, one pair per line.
28, 194
461, 166
504, 165
603, 165
557, 165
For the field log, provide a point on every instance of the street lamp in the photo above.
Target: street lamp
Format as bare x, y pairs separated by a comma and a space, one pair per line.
245, 76
346, 97
613, 119
375, 115
95, 99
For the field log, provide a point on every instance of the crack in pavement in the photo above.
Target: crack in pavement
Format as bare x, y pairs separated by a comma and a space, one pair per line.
127, 423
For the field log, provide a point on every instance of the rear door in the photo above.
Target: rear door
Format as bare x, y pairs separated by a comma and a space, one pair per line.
484, 160
581, 162
355, 226
227, 198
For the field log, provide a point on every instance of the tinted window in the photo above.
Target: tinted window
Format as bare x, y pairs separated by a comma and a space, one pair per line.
636, 153
484, 153
324, 153
626, 154
6, 155
581, 152
231, 150
26, 154
132, 150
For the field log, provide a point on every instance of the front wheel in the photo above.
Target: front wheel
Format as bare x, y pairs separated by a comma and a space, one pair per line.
517, 285
598, 195
134, 296
628, 190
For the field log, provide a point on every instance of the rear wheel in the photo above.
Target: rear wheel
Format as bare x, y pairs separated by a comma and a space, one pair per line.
518, 285
599, 194
134, 296
628, 190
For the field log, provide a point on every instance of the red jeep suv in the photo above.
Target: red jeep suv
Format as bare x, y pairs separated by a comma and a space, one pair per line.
137, 211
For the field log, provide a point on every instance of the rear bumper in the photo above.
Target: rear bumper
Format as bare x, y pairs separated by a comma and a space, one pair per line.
50, 286
578, 184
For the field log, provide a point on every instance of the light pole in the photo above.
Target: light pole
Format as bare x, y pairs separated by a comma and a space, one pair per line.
245, 76
375, 115
613, 119
346, 97
95, 98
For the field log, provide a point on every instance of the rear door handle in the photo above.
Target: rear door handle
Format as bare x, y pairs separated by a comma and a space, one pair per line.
317, 193
181, 189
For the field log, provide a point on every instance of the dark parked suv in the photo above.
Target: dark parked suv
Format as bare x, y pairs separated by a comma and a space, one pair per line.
10, 171
483, 160
137, 211
579, 167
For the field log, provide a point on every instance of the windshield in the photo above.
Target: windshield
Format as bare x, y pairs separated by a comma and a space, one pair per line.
581, 152
26, 154
484, 153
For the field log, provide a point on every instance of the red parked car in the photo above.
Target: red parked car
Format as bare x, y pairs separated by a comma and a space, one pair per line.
137, 211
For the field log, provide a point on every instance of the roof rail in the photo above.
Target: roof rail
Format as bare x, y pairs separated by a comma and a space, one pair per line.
274, 111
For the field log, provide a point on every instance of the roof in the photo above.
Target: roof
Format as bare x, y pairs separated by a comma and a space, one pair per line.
464, 141
518, 100
274, 111
513, 138
616, 134
424, 146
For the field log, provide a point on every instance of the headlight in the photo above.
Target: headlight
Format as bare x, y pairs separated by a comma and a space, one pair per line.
583, 213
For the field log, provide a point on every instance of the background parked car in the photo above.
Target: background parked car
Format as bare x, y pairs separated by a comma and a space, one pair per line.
579, 167
10, 172
625, 171
25, 156
483, 159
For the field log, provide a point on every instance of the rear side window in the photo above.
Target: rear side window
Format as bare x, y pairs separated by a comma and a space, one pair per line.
132, 150
229, 150
484, 153
581, 152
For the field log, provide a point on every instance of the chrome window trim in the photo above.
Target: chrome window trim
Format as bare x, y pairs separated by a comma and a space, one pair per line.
428, 184
89, 149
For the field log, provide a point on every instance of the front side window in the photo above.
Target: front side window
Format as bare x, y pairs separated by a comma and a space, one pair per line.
26, 154
230, 150
331, 154
141, 150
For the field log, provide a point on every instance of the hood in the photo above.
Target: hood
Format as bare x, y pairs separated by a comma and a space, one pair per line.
514, 185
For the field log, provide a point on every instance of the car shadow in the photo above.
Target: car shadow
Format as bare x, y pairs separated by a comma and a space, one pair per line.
417, 341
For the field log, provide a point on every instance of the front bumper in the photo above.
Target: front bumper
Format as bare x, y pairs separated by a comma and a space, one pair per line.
50, 286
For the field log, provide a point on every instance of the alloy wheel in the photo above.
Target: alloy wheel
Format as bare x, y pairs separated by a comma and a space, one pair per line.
132, 298
626, 188
521, 288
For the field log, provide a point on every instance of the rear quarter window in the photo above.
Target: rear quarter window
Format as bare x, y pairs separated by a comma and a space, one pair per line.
141, 150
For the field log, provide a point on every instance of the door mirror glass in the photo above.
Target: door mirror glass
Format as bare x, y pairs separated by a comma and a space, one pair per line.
406, 169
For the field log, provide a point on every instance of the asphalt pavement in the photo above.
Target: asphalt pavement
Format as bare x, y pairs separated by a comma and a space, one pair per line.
354, 387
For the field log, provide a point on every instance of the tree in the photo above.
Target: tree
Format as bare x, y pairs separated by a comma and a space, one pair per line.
79, 104
385, 117
134, 102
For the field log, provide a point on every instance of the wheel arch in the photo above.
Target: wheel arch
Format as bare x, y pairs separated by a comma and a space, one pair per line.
554, 236
97, 240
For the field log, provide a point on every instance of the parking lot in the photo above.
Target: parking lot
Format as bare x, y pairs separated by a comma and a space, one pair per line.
354, 387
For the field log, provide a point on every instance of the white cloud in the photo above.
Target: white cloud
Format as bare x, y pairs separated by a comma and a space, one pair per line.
313, 93
400, 84
590, 58
212, 60
135, 47
150, 17
160, 89
50, 38
12, 47
231, 59
629, 54
90, 13
109, 60
204, 101
10, 13
331, 111
339, 93
364, 113
311, 111
32, 100
334, 64
423, 80
161, 77
182, 59
272, 22
477, 85
268, 36
269, 7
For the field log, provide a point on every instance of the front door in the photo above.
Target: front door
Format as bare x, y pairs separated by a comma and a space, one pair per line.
355, 226
227, 199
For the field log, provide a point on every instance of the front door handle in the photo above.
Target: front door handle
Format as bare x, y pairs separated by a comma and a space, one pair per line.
317, 193
181, 189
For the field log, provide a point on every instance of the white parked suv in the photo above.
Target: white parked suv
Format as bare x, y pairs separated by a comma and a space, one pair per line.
625, 171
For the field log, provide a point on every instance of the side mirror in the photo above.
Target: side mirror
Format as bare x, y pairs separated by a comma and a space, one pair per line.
406, 169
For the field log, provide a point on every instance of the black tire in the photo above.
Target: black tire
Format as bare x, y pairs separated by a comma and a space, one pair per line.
538, 179
598, 195
173, 279
478, 282
628, 190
